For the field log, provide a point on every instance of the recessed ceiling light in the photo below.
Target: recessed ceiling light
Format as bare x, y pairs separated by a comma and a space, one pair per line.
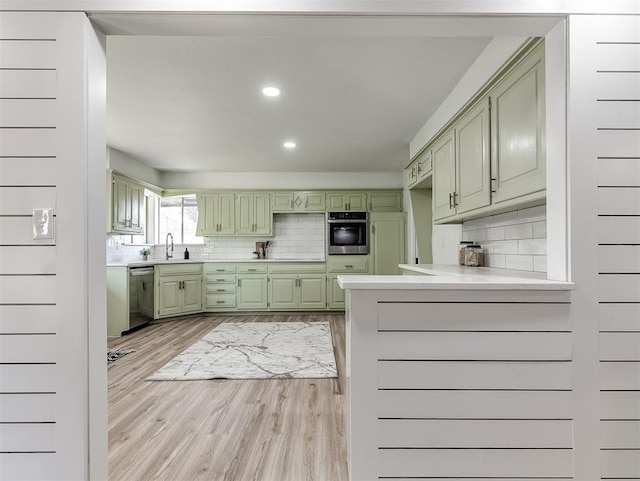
289, 145
271, 91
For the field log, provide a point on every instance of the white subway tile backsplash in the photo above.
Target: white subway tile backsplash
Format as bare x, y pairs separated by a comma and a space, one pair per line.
519, 231
508, 218
532, 246
512, 240
533, 214
519, 262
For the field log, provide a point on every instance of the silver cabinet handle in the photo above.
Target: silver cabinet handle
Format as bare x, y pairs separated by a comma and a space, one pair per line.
219, 290
220, 280
220, 302
239, 282
450, 200
349, 266
252, 270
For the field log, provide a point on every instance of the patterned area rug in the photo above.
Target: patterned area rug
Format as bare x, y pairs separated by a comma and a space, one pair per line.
256, 350
114, 354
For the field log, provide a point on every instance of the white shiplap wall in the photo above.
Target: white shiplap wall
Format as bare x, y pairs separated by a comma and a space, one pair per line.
615, 63
43, 164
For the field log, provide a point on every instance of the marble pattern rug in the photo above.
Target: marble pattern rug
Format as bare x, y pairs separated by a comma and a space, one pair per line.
256, 350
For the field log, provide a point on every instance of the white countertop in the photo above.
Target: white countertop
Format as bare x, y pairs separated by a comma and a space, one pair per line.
152, 262
455, 277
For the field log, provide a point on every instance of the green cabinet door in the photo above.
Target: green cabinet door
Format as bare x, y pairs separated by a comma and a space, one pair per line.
517, 130
253, 214
127, 204
244, 214
347, 201
388, 242
336, 295
385, 201
252, 292
312, 291
282, 202
473, 188
283, 291
216, 214
226, 214
262, 214
444, 176
191, 294
169, 296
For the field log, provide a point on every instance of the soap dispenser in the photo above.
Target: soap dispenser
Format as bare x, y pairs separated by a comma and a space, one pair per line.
186, 253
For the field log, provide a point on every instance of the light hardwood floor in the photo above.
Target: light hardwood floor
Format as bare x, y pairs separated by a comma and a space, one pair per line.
231, 430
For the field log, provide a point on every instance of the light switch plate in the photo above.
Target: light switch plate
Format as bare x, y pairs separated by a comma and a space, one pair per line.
42, 224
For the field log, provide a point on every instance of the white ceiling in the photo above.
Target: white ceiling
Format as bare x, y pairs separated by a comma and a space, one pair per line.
184, 91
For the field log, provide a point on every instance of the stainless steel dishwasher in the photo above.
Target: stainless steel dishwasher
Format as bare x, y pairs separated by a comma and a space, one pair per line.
140, 297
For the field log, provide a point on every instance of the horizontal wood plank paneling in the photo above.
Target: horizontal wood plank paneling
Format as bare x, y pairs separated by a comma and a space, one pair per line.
475, 317
33, 113
22, 200
620, 464
618, 230
619, 258
28, 54
616, 86
18, 408
618, 57
32, 172
474, 375
620, 317
27, 319
475, 404
620, 405
27, 84
619, 287
618, 143
619, 172
620, 346
620, 434
27, 259
27, 437
619, 201
620, 114
27, 348
27, 289
475, 463
27, 142
620, 376
21, 378
483, 346
456, 433
27, 466
15, 231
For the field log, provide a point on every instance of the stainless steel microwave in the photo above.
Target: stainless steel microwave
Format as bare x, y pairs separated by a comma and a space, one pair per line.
347, 233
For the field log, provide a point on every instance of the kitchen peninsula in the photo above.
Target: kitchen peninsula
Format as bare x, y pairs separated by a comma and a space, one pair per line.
456, 372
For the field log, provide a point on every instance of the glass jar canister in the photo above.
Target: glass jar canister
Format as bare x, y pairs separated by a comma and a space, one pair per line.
473, 256
461, 252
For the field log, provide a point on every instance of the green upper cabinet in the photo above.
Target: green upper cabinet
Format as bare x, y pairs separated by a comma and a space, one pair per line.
127, 204
381, 201
411, 173
216, 214
518, 130
253, 214
444, 176
473, 189
347, 201
461, 165
424, 165
298, 202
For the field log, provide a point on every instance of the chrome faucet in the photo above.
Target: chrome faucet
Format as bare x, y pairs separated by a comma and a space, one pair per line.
167, 255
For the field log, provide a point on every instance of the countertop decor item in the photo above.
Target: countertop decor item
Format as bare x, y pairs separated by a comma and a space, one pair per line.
256, 350
145, 253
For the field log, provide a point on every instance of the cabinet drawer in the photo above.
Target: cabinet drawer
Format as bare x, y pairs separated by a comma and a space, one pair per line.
178, 269
252, 269
217, 288
297, 268
219, 268
220, 300
221, 278
348, 265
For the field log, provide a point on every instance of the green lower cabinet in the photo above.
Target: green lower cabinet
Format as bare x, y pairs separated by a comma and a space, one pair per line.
335, 293
180, 295
252, 292
297, 291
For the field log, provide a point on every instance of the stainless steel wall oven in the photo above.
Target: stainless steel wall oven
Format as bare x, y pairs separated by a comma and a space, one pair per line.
347, 233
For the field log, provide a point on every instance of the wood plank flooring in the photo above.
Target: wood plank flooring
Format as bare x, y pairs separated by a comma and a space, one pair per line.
231, 430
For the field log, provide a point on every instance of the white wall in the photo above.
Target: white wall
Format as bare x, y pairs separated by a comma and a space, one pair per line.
279, 180
134, 168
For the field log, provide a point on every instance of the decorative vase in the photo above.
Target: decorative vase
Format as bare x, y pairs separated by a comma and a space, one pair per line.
144, 258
